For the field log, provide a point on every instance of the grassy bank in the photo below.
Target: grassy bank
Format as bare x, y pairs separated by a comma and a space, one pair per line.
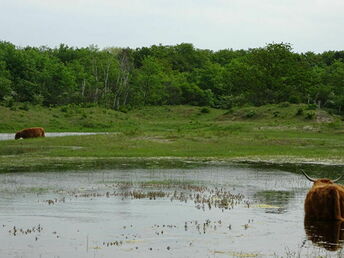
165, 136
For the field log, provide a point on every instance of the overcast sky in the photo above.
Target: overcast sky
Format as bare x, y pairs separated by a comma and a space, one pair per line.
309, 25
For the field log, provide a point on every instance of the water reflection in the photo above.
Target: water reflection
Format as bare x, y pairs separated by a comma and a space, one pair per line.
278, 200
326, 234
10, 136
154, 213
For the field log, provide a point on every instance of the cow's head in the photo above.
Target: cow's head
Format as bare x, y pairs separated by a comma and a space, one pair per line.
17, 136
320, 181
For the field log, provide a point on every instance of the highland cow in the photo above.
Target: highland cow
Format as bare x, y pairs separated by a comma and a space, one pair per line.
30, 133
325, 200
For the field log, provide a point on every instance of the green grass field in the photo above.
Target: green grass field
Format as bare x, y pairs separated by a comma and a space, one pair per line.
169, 135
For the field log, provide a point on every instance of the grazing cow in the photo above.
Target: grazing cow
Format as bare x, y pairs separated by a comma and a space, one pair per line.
325, 200
30, 133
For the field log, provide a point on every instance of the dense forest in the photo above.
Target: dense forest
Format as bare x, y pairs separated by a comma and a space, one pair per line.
122, 78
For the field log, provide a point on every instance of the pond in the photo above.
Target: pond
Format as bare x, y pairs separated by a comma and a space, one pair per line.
10, 136
204, 212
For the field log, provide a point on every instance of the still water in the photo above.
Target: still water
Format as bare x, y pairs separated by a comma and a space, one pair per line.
207, 212
10, 136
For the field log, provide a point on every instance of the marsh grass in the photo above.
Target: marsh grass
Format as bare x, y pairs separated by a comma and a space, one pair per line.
168, 183
22, 190
169, 131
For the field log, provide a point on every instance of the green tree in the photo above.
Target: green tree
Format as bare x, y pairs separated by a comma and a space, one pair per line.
5, 82
194, 95
149, 86
185, 58
334, 77
241, 84
210, 76
225, 56
280, 72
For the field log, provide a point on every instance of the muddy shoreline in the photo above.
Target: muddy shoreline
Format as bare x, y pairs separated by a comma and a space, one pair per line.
37, 164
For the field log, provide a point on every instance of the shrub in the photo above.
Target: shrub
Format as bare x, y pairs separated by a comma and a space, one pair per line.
123, 109
229, 111
25, 107
37, 99
194, 95
132, 131
250, 114
205, 110
228, 102
335, 125
64, 109
83, 116
284, 104
8, 101
311, 107
276, 113
299, 112
310, 115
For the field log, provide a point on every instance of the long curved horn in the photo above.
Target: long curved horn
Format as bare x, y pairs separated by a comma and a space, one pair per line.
308, 177
336, 180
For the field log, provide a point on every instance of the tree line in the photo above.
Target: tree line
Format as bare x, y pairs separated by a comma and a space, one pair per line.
122, 78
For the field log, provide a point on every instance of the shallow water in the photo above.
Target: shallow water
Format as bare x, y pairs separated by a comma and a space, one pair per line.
209, 212
10, 136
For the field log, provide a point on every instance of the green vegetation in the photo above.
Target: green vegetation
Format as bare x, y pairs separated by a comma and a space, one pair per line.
164, 104
121, 79
167, 136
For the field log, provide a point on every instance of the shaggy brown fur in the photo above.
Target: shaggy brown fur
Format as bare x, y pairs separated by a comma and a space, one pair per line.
30, 133
325, 201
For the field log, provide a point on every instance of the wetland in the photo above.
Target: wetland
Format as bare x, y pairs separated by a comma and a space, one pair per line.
170, 181
212, 211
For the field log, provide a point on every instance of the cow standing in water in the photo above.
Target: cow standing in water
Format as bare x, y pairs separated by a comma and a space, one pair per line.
325, 200
30, 133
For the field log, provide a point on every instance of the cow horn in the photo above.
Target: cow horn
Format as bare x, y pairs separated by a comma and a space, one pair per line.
336, 180
308, 177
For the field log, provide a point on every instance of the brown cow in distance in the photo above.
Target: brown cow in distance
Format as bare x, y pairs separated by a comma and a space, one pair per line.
30, 133
325, 200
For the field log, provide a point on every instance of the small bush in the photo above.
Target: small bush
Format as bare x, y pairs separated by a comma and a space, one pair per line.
8, 101
335, 125
299, 112
205, 110
284, 104
87, 105
310, 115
24, 107
38, 99
331, 112
276, 114
123, 109
64, 109
88, 124
311, 107
132, 131
250, 114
